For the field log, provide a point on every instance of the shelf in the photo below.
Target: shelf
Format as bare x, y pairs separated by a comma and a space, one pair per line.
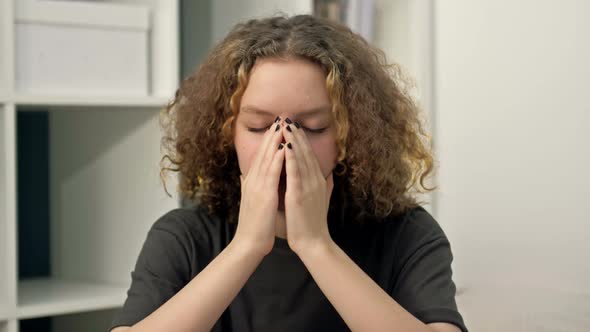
49, 297
92, 101
4, 313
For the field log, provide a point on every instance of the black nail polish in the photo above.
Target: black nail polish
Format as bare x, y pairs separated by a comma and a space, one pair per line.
289, 128
289, 145
287, 120
297, 125
281, 146
278, 119
278, 127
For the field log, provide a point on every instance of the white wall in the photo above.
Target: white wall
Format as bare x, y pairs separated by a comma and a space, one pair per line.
403, 30
226, 13
512, 128
392, 31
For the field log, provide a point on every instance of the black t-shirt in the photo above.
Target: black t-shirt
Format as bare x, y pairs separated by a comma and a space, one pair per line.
408, 256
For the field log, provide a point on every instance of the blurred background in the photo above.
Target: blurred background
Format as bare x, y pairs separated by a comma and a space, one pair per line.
503, 85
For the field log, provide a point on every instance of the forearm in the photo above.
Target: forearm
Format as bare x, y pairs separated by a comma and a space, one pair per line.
361, 303
198, 306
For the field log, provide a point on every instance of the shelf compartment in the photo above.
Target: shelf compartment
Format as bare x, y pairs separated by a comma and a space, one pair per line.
110, 56
49, 297
104, 194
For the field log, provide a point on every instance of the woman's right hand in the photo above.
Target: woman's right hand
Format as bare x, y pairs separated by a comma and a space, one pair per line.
259, 201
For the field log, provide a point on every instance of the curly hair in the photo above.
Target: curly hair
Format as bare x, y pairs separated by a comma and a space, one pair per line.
385, 155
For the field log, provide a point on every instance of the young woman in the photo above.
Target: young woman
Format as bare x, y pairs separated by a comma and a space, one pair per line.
302, 151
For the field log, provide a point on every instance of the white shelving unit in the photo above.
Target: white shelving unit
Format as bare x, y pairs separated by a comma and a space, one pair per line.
104, 152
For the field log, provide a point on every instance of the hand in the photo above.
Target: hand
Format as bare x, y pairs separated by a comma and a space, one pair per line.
307, 198
259, 201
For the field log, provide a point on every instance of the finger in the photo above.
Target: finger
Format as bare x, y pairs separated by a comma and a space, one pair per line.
272, 148
297, 150
293, 171
311, 161
275, 168
262, 149
260, 152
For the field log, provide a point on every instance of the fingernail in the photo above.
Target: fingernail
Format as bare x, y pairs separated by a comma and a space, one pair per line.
278, 119
281, 146
287, 120
297, 125
278, 127
289, 128
289, 145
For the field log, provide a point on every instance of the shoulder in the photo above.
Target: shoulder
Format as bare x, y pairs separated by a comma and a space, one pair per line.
422, 274
420, 237
399, 235
186, 219
190, 226
410, 231
184, 240
418, 223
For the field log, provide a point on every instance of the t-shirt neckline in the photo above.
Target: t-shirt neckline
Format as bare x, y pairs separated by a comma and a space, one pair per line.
281, 243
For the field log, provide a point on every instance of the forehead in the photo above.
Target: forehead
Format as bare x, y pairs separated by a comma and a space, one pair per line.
286, 85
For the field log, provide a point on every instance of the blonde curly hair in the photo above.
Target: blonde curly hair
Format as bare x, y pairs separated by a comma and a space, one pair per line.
384, 156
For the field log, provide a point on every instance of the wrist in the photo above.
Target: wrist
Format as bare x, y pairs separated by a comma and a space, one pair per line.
315, 247
250, 248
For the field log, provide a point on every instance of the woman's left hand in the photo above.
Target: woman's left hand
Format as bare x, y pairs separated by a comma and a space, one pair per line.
307, 196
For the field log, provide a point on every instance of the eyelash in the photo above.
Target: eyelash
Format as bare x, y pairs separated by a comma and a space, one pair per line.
312, 131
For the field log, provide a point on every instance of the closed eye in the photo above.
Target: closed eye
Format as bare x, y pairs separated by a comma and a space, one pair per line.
315, 131
258, 130
309, 130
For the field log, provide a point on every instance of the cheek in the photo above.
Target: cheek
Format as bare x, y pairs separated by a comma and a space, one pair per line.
246, 147
326, 151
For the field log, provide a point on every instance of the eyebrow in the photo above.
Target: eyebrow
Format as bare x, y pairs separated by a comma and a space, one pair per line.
303, 114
